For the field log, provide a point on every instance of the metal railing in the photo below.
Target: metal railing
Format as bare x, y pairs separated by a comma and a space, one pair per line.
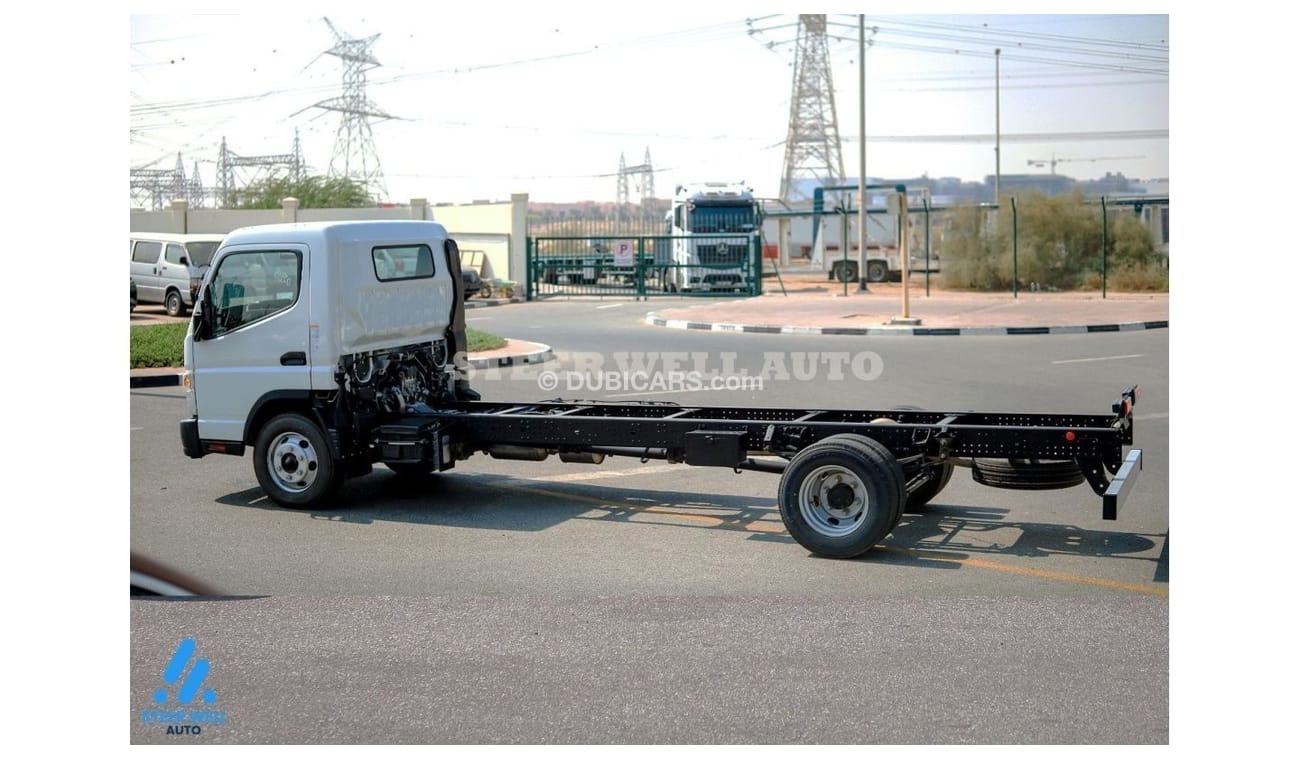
643, 266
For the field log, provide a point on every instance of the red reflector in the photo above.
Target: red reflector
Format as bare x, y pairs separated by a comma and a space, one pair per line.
218, 447
1127, 408
1069, 435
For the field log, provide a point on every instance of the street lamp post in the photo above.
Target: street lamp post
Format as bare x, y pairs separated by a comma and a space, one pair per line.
997, 121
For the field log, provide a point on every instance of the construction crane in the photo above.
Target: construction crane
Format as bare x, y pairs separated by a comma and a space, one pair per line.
1053, 161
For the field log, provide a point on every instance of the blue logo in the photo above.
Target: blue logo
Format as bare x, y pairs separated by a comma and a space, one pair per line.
193, 682
184, 674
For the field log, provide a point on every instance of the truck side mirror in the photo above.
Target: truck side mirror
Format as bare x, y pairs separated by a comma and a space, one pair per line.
203, 316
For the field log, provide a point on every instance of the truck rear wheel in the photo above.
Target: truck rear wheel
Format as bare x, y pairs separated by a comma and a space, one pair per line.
842, 495
844, 272
293, 462
877, 271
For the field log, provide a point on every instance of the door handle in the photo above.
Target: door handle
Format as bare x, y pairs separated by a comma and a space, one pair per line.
294, 359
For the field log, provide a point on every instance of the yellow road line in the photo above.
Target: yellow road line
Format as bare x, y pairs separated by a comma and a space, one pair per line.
1137, 588
758, 526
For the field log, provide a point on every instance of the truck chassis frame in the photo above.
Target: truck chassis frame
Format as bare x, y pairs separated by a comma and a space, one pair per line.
846, 475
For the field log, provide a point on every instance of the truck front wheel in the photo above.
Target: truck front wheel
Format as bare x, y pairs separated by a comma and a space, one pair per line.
842, 495
293, 462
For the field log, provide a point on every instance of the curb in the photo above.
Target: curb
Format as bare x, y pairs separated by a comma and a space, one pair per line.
541, 354
682, 324
538, 356
485, 302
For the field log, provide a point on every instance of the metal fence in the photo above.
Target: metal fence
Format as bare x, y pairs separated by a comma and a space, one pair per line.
644, 265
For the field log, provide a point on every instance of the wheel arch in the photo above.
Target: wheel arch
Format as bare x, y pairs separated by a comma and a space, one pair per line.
274, 403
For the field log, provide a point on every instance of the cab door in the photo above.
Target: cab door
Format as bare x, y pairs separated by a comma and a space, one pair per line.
254, 342
174, 271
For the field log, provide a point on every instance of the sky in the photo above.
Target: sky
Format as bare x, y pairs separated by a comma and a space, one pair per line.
545, 102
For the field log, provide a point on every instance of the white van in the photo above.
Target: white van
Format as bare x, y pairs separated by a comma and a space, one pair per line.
168, 269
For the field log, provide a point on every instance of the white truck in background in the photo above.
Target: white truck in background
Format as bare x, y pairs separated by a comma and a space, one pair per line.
714, 228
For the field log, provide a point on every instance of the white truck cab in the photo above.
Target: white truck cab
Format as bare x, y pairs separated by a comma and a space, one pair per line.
291, 314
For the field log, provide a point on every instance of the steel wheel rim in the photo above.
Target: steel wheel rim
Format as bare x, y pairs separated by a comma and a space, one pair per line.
825, 504
292, 462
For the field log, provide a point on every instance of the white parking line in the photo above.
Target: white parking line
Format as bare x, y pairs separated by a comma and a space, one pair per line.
1097, 359
611, 306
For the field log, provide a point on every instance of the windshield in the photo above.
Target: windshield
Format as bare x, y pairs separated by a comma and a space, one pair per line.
201, 252
722, 219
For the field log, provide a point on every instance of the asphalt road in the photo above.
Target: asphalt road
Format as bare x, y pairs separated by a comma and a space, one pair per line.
670, 597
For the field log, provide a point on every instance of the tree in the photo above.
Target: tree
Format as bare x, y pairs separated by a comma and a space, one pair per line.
311, 192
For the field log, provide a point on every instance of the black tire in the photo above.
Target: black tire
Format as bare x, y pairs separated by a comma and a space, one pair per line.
293, 462
841, 272
816, 513
877, 271
918, 499
1027, 474
174, 304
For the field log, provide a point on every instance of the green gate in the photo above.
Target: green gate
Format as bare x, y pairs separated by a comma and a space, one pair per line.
637, 267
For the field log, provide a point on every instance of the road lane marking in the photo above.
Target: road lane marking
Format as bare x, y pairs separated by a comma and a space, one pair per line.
1098, 359
611, 306
1137, 588
777, 526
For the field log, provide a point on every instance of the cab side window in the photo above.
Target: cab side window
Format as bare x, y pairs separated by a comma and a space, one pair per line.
251, 286
174, 254
404, 262
146, 252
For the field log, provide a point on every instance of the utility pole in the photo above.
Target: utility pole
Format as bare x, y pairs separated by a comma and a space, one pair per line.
862, 154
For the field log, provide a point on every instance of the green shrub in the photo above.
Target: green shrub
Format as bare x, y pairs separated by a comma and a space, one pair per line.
1058, 246
481, 341
158, 345
1132, 278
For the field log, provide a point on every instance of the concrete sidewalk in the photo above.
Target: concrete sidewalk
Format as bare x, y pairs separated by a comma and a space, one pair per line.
826, 311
